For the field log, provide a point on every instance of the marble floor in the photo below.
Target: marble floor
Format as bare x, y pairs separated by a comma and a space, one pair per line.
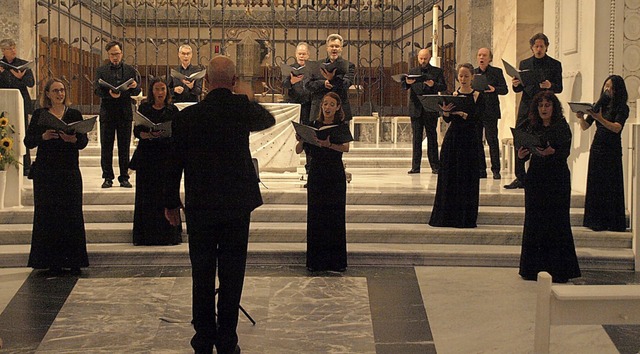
364, 310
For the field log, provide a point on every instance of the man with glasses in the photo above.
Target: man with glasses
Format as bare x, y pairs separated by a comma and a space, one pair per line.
186, 90
116, 114
11, 78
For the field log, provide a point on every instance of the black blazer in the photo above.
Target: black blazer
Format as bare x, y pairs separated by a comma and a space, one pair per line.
550, 69
341, 83
8, 80
116, 109
495, 78
211, 145
419, 88
188, 95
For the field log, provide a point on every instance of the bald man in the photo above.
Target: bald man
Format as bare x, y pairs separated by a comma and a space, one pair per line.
488, 122
431, 82
211, 147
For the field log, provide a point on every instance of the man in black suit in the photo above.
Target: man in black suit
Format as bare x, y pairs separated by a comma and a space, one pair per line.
184, 90
431, 82
549, 72
337, 79
211, 146
491, 112
17, 79
296, 92
116, 115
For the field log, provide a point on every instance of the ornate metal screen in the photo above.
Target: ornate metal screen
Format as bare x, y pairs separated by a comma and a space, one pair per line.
381, 38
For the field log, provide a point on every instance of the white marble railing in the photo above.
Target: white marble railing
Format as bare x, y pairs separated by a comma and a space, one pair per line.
634, 191
12, 104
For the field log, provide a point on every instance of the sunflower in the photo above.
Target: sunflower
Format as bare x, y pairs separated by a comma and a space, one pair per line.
4, 121
6, 143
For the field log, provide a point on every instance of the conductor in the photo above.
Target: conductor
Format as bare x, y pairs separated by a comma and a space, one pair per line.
211, 146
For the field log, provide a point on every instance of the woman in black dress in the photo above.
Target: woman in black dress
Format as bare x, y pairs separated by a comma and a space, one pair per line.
327, 189
547, 240
58, 240
150, 227
604, 202
458, 188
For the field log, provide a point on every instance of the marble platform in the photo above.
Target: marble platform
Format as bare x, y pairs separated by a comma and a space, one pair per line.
380, 310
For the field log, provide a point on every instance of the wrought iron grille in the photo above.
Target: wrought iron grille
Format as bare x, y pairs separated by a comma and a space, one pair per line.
381, 38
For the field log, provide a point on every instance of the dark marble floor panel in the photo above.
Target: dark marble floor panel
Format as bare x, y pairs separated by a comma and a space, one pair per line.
148, 310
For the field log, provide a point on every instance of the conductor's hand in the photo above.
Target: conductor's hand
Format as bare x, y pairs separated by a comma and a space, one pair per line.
523, 152
68, 138
50, 134
546, 151
515, 82
243, 88
173, 216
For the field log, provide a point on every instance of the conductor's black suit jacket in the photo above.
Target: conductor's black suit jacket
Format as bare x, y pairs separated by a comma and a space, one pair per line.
211, 146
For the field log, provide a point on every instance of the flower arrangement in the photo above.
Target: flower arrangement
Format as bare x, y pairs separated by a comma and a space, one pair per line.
7, 158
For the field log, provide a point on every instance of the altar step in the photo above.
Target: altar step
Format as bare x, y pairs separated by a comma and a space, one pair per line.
386, 155
359, 254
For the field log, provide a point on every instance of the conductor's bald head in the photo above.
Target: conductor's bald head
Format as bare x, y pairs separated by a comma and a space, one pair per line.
221, 73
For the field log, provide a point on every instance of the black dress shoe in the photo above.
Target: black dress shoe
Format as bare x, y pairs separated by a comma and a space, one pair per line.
515, 184
125, 184
496, 175
411, 171
483, 174
108, 183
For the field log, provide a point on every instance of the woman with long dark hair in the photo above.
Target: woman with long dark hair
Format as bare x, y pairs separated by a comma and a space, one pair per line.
604, 201
547, 240
58, 241
327, 189
150, 227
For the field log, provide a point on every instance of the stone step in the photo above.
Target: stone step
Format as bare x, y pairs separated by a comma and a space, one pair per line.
399, 214
504, 198
363, 254
383, 233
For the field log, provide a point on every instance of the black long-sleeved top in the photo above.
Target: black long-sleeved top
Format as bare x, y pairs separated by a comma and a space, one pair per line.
495, 78
116, 109
8, 80
419, 88
188, 95
550, 69
54, 154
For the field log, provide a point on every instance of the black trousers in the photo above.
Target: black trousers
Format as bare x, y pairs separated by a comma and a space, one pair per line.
108, 132
427, 123
223, 246
490, 127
